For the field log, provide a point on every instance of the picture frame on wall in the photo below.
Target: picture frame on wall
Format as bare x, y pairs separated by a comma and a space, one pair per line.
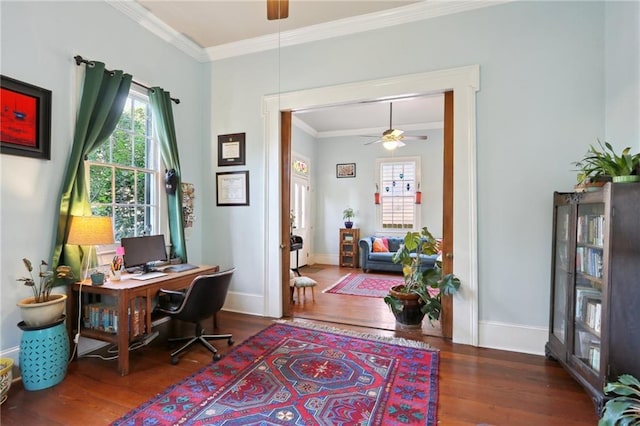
232, 188
231, 149
346, 170
25, 125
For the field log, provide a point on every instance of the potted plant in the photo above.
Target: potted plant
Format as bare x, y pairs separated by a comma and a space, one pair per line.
422, 291
43, 307
347, 215
623, 409
603, 163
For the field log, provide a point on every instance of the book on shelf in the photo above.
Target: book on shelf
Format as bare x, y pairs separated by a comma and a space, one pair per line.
583, 296
101, 316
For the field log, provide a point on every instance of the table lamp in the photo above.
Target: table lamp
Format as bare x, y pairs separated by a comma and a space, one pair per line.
90, 231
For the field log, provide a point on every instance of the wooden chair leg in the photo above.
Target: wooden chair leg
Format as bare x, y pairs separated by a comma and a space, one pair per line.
313, 294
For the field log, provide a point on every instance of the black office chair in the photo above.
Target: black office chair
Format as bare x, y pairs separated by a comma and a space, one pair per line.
203, 299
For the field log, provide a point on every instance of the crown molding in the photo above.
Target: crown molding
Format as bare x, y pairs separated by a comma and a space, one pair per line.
156, 26
357, 24
304, 126
341, 27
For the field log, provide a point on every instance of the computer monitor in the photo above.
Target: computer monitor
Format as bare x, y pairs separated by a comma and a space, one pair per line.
143, 251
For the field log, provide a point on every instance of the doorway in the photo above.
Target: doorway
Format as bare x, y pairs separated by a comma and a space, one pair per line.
464, 82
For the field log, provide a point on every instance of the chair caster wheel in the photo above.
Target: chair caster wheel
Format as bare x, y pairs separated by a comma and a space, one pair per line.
230, 342
175, 360
216, 357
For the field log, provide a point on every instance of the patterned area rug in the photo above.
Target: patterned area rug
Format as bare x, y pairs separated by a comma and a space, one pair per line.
364, 285
298, 374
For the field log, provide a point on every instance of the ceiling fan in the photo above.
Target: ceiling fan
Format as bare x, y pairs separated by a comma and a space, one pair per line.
392, 138
277, 9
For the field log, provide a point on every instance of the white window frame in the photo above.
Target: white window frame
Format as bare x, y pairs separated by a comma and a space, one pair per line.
160, 221
417, 222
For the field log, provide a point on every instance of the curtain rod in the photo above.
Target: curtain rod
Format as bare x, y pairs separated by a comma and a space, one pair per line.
80, 60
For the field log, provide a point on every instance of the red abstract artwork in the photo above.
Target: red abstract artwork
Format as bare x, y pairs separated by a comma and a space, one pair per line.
19, 118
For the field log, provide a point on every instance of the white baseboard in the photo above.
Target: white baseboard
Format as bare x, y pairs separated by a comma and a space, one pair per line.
512, 337
244, 303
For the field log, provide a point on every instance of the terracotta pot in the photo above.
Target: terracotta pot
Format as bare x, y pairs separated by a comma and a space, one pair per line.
411, 316
43, 313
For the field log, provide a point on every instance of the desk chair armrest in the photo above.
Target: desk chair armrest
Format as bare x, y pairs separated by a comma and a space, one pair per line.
169, 300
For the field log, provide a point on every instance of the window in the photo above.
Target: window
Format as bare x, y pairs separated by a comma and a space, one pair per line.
124, 173
398, 179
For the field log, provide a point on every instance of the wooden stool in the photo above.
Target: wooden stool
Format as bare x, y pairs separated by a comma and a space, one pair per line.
303, 283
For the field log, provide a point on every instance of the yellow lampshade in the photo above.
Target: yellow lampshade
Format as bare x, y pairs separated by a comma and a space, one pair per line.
90, 230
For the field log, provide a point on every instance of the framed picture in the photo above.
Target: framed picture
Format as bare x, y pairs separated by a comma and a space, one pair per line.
25, 125
346, 170
231, 150
232, 188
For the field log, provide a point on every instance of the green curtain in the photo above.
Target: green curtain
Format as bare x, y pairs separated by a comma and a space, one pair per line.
166, 131
103, 97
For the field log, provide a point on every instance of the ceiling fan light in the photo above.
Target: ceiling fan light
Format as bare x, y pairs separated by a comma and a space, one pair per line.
390, 145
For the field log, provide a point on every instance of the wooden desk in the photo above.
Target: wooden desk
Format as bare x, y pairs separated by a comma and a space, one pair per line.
127, 294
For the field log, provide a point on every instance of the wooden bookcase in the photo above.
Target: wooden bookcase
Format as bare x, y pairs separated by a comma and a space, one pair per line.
594, 326
349, 247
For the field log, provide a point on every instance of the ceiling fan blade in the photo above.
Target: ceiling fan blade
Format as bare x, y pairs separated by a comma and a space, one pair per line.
277, 9
372, 142
422, 138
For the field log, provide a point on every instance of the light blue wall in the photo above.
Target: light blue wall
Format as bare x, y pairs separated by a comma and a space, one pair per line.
336, 194
622, 71
39, 40
541, 102
554, 77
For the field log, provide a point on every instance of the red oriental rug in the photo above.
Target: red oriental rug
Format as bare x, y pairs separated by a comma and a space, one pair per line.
368, 285
299, 374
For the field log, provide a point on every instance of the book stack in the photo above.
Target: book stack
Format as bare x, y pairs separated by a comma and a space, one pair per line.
101, 316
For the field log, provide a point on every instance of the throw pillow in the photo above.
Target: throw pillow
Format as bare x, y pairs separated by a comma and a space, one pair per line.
380, 245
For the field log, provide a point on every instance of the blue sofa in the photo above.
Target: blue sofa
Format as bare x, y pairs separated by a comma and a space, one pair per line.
383, 261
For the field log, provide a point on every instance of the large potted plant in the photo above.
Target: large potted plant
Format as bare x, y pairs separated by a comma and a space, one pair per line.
43, 307
623, 409
422, 291
603, 163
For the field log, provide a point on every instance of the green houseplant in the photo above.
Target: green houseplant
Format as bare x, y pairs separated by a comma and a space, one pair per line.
623, 409
43, 307
422, 291
603, 161
347, 215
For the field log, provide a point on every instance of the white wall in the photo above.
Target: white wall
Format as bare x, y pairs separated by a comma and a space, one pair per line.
39, 40
541, 103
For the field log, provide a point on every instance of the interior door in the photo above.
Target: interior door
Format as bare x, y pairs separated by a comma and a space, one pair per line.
446, 316
300, 204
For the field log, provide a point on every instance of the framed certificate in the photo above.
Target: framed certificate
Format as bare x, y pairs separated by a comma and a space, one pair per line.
232, 188
231, 150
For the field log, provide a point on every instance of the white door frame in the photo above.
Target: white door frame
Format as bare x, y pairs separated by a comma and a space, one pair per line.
465, 82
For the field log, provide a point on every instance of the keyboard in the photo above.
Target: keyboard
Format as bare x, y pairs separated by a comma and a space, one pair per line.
148, 276
180, 267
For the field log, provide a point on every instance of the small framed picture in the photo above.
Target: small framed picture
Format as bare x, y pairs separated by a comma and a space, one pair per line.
346, 170
25, 124
232, 188
231, 149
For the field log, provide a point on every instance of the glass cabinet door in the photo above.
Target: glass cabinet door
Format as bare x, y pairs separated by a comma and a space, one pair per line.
588, 285
561, 274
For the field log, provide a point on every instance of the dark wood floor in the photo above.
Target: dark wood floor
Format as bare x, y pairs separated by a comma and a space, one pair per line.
477, 386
